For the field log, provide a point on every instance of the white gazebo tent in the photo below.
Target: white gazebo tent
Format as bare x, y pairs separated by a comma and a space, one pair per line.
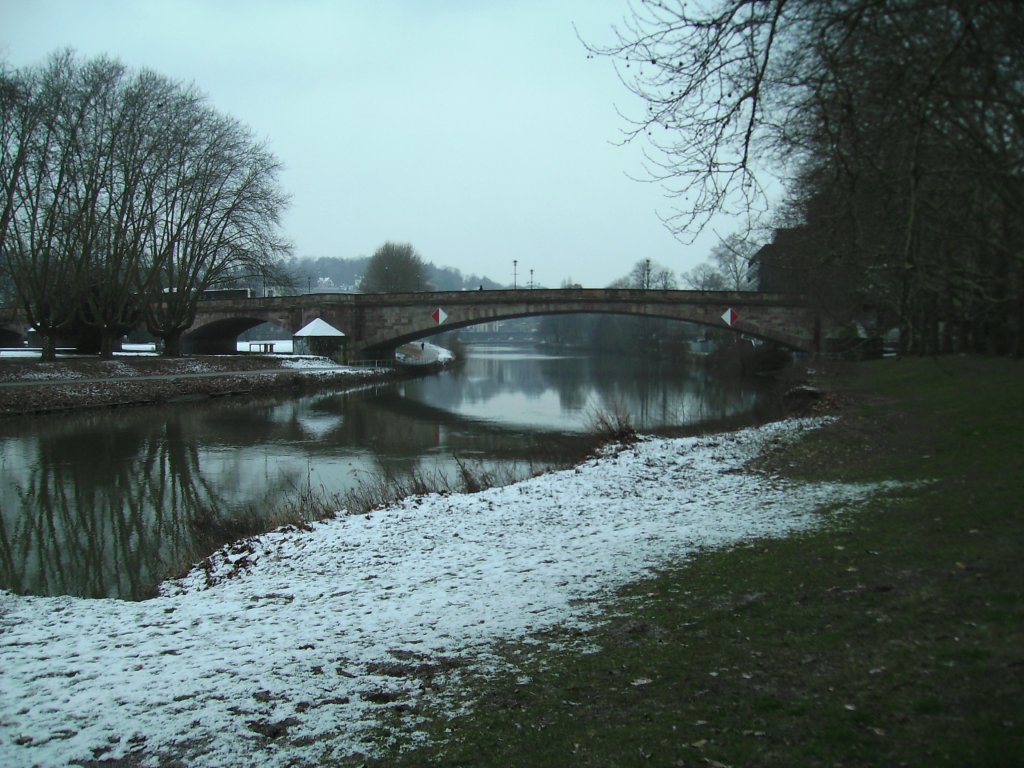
319, 338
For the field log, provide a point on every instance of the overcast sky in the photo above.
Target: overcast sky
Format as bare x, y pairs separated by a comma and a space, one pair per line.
477, 130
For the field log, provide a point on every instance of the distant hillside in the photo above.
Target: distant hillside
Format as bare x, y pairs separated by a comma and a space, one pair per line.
343, 275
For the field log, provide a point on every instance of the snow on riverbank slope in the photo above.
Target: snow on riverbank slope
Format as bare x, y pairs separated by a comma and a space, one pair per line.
283, 649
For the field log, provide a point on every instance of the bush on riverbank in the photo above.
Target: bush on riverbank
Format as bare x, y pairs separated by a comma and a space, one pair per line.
890, 637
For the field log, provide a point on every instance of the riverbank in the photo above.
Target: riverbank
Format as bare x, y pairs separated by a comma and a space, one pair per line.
296, 647
30, 386
764, 597
891, 634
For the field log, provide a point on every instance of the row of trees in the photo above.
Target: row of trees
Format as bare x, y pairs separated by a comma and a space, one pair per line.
394, 267
729, 268
125, 197
896, 126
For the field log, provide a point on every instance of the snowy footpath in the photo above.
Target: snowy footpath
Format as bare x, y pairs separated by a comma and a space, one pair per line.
285, 649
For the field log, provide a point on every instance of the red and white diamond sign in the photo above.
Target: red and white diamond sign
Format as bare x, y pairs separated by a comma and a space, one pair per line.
730, 317
439, 315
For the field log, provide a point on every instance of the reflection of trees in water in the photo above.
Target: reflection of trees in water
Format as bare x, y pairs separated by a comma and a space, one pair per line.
571, 379
482, 378
656, 393
108, 503
110, 526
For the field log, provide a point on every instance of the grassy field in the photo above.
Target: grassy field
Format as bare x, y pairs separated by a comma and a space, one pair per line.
892, 636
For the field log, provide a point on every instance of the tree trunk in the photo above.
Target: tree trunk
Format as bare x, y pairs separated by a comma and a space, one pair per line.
106, 346
1017, 324
49, 346
172, 344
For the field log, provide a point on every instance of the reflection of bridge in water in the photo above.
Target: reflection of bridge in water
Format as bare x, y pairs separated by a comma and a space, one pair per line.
377, 323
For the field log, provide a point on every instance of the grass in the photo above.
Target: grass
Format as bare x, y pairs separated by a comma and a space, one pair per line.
894, 635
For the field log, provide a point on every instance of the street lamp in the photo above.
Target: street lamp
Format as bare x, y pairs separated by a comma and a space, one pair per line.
515, 265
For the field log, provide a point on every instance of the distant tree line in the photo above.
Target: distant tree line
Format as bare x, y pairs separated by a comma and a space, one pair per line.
125, 197
393, 268
898, 128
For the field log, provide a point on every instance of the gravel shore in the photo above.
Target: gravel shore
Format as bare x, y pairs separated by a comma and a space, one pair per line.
30, 386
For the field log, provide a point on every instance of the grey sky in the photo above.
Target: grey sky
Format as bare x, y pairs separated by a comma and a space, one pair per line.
478, 131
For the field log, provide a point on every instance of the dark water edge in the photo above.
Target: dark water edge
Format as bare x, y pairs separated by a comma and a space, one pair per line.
161, 488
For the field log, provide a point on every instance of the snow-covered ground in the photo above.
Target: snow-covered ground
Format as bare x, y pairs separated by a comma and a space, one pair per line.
423, 353
287, 648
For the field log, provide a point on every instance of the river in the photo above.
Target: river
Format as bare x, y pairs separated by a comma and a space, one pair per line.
109, 503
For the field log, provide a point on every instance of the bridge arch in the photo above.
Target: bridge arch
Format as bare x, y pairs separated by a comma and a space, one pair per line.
780, 319
383, 348
219, 336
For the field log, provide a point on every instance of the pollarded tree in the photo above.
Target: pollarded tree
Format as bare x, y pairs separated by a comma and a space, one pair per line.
114, 178
394, 268
19, 110
45, 242
215, 213
15, 119
125, 192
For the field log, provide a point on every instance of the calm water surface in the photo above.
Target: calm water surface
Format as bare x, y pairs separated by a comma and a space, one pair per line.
109, 503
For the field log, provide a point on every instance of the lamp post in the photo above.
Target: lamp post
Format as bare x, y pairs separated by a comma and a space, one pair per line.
515, 265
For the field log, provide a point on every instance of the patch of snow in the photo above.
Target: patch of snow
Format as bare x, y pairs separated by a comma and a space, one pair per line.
423, 353
287, 634
325, 368
309, 361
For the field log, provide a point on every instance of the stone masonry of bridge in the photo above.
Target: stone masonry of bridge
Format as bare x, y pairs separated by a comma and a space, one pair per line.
377, 323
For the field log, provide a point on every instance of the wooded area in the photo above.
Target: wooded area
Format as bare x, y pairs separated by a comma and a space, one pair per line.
895, 126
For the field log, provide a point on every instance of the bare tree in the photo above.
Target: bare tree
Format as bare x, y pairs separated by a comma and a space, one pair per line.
708, 79
733, 257
897, 125
124, 193
113, 177
647, 275
215, 212
45, 244
704, 277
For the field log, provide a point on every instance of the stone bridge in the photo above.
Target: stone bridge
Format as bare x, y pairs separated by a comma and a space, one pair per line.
376, 323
